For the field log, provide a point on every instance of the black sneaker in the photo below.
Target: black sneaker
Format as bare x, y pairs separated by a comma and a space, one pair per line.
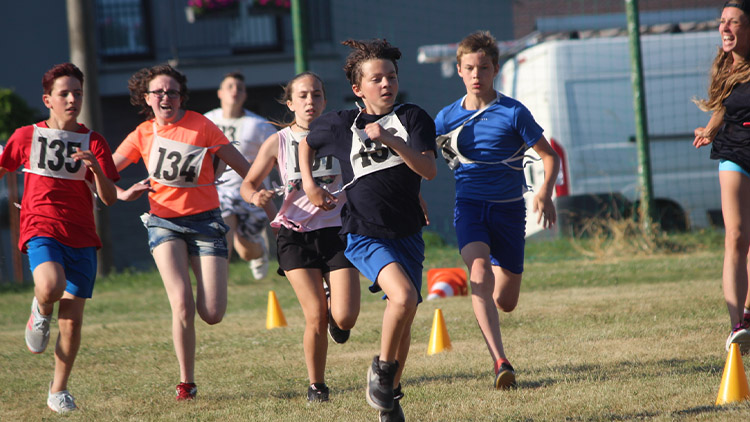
505, 378
317, 392
337, 334
380, 384
397, 414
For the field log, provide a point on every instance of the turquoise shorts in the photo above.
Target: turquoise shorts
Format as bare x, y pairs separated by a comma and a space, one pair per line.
79, 264
726, 165
370, 255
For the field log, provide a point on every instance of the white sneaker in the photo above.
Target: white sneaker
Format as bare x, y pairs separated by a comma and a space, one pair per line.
61, 402
741, 336
259, 266
37, 329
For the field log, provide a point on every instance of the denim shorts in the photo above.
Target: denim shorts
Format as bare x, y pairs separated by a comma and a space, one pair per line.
499, 225
204, 233
79, 264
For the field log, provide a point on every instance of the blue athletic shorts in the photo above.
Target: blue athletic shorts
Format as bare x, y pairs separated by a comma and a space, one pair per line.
204, 233
370, 255
726, 165
79, 264
500, 225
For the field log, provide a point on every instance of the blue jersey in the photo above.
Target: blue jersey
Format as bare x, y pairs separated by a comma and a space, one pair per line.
493, 136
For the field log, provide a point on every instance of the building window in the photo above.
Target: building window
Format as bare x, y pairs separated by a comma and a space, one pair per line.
122, 29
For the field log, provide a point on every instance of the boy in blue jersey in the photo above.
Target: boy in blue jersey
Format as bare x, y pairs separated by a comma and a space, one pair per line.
385, 149
483, 137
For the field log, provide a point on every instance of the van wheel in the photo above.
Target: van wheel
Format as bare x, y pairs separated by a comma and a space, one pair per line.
670, 216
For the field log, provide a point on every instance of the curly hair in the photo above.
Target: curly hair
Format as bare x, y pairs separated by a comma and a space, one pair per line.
725, 73
58, 71
138, 86
479, 41
368, 50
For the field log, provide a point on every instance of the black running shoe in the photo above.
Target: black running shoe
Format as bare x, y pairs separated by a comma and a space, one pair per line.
337, 334
380, 384
317, 392
397, 414
505, 378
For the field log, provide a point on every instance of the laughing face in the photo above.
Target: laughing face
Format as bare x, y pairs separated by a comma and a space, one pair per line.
164, 98
734, 28
65, 100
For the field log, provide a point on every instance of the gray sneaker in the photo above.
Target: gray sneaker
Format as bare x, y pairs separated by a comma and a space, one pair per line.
37, 329
61, 402
379, 392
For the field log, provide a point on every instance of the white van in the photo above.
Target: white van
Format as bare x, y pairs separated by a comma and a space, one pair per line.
580, 92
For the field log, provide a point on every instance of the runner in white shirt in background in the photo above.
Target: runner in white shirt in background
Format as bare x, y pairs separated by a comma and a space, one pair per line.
247, 131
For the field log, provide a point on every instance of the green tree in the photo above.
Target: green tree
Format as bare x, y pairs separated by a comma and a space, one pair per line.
14, 113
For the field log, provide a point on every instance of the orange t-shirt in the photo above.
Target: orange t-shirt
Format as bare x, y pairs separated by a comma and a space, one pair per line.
192, 129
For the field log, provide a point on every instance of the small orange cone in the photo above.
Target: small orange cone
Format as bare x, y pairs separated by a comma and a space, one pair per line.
274, 316
734, 381
439, 339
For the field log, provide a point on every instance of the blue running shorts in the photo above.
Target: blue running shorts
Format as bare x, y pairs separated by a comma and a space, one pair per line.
79, 264
370, 255
499, 225
726, 165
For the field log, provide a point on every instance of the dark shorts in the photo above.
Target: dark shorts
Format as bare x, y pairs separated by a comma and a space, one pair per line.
79, 264
370, 255
204, 233
499, 225
322, 249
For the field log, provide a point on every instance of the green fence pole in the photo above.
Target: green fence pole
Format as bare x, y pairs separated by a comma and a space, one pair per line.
299, 30
641, 121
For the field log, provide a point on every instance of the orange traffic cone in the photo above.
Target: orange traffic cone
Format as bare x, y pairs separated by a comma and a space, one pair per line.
445, 282
734, 381
439, 339
274, 316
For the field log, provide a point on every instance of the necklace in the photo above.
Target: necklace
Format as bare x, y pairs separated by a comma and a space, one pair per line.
302, 127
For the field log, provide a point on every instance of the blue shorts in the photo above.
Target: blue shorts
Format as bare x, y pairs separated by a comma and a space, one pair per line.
499, 225
726, 165
204, 233
370, 255
79, 264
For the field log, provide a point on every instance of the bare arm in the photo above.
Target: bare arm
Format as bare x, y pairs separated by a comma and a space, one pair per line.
105, 187
264, 161
317, 195
543, 200
705, 135
229, 154
134, 192
422, 163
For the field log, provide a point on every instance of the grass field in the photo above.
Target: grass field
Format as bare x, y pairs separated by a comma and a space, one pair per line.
600, 334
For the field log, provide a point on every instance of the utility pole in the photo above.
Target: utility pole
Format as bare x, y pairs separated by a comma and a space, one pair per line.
83, 54
299, 29
641, 120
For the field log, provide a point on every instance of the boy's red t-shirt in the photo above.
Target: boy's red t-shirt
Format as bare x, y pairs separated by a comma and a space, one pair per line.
62, 209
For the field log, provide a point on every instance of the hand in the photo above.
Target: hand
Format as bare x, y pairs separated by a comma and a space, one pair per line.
260, 198
423, 204
134, 192
546, 208
88, 158
321, 198
702, 137
376, 133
